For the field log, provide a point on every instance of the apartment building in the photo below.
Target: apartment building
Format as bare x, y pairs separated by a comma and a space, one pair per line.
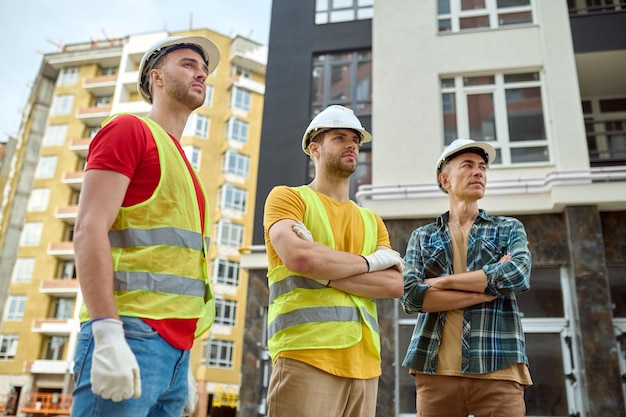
543, 81
77, 88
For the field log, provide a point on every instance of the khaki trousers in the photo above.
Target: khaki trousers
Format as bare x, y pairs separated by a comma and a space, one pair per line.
300, 390
452, 396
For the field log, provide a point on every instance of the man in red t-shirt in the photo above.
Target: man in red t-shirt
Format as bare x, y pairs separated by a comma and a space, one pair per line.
141, 200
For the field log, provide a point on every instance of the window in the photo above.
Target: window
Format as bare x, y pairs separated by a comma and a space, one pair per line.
8, 346
108, 70
226, 272
236, 163
102, 101
54, 346
62, 104
193, 155
343, 78
23, 270
46, 167
242, 72
68, 76
208, 98
55, 135
217, 353
241, 98
225, 312
459, 15
31, 234
516, 129
63, 308
15, 307
229, 234
233, 198
197, 125
238, 130
332, 11
38, 200
68, 270
605, 124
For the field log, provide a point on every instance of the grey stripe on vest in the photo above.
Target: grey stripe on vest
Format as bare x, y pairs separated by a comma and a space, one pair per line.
170, 236
312, 315
291, 283
171, 284
370, 319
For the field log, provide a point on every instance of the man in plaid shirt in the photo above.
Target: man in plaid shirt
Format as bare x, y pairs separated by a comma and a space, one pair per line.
462, 274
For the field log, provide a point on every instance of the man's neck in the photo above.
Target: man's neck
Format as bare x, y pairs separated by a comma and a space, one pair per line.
463, 213
338, 190
171, 119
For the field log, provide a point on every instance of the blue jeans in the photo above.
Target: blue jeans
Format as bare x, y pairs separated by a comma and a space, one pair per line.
162, 367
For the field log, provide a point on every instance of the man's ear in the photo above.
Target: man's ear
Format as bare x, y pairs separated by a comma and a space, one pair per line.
443, 180
156, 76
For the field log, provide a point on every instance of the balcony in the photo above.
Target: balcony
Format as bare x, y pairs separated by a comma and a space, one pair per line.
80, 146
93, 116
44, 403
102, 85
55, 327
59, 287
67, 214
246, 83
48, 366
62, 250
74, 180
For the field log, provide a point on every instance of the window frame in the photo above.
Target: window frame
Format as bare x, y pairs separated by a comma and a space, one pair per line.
332, 11
23, 270
236, 163
227, 228
231, 272
68, 76
62, 104
233, 198
505, 148
453, 16
46, 167
222, 357
225, 312
8, 346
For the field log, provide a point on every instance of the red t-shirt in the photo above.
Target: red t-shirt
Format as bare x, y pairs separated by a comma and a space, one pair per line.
126, 145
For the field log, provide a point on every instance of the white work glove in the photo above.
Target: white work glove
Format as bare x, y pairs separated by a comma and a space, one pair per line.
302, 232
192, 394
114, 368
305, 234
384, 259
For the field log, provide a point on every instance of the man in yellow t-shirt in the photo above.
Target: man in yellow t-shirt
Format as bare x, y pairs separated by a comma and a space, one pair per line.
327, 260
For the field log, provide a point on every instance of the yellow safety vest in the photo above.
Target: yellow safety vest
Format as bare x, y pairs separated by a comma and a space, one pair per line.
302, 313
160, 268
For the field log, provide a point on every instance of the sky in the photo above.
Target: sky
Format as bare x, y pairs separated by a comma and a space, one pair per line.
31, 28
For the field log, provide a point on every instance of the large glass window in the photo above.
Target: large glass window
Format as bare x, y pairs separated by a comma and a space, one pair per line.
226, 272
343, 78
38, 200
459, 15
63, 308
217, 353
15, 307
516, 129
233, 198
605, 124
23, 270
333, 11
225, 312
55, 135
236, 163
8, 346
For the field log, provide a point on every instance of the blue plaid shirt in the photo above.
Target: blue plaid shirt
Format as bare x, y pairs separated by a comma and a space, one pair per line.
492, 337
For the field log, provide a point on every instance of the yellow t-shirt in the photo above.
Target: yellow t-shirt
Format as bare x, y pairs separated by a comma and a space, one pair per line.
361, 360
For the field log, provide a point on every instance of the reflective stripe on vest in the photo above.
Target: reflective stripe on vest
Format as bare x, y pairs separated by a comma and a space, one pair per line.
170, 236
171, 284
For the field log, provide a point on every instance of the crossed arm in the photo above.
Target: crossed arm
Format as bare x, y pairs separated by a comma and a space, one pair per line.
346, 271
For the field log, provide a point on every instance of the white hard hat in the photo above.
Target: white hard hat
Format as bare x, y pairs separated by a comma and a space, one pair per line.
459, 146
333, 117
202, 45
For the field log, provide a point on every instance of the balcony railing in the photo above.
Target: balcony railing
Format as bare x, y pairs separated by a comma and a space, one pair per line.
46, 403
606, 141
